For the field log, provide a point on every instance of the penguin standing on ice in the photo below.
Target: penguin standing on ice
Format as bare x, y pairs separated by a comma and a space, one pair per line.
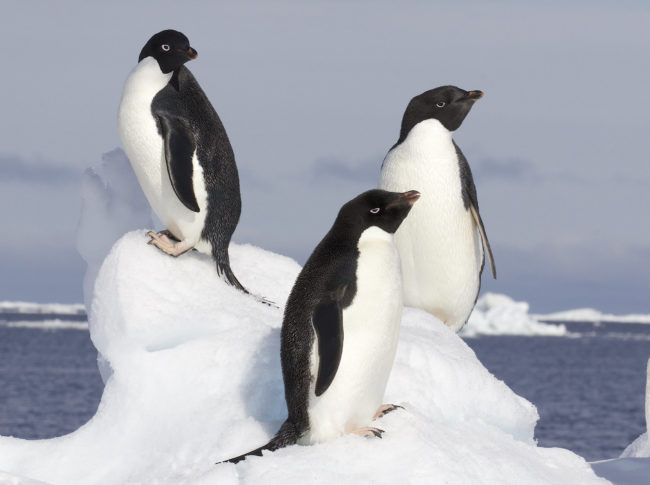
440, 243
341, 325
180, 152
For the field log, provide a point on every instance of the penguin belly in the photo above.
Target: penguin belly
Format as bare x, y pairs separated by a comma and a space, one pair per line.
143, 145
370, 333
439, 242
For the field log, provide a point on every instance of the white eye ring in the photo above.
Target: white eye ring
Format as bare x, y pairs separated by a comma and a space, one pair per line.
440, 104
164, 47
375, 210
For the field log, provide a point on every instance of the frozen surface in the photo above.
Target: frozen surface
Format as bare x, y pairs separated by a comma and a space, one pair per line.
496, 314
41, 308
54, 324
113, 204
591, 315
639, 448
192, 373
196, 379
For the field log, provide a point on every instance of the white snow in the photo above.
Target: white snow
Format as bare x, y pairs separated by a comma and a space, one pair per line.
591, 315
41, 308
54, 324
196, 379
496, 314
113, 204
192, 373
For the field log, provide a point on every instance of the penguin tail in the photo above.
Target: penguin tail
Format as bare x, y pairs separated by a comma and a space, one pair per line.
285, 436
223, 268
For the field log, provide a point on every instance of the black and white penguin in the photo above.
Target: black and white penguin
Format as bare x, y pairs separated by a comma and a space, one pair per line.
341, 325
440, 243
180, 152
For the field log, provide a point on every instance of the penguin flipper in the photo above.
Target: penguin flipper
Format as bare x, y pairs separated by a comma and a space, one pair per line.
486, 243
470, 199
179, 151
327, 320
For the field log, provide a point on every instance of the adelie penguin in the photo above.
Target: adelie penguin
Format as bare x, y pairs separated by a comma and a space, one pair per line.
442, 243
341, 325
180, 152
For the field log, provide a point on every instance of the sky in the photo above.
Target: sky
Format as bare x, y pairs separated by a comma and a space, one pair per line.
312, 95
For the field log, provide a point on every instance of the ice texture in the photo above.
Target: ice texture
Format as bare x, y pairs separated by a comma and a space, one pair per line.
591, 315
41, 308
192, 376
113, 204
496, 314
196, 379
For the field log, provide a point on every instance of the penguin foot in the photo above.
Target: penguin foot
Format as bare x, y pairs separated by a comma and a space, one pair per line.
384, 409
168, 233
165, 244
369, 432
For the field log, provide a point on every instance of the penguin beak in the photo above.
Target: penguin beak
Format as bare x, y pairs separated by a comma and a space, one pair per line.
189, 53
474, 95
407, 198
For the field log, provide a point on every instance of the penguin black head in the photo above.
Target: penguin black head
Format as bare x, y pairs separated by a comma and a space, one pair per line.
447, 104
380, 208
170, 48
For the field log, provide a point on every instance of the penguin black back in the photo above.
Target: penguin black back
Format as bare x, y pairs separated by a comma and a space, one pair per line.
327, 283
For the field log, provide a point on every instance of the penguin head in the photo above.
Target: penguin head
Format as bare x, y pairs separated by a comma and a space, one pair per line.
170, 48
380, 208
447, 104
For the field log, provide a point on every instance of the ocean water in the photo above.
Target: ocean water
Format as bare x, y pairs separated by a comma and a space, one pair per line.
589, 389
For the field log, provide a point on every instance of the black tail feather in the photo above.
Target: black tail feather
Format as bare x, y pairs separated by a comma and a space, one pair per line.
225, 270
285, 436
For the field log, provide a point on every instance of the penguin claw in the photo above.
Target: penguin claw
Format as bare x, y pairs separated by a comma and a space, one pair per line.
369, 432
384, 409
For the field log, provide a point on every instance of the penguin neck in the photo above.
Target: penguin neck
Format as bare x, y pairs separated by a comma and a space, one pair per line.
147, 78
429, 133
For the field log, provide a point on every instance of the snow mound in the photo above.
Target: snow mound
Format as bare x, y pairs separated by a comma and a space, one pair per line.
113, 204
639, 448
41, 308
196, 379
496, 314
591, 315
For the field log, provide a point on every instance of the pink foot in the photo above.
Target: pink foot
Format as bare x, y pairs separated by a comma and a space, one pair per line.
162, 242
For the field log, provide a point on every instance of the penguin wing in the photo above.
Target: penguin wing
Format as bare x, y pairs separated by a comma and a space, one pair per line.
327, 320
179, 151
470, 200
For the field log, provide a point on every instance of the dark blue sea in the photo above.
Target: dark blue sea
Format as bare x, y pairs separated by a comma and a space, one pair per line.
589, 389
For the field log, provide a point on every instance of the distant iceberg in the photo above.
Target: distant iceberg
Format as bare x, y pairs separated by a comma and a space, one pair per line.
53, 324
42, 308
591, 315
496, 314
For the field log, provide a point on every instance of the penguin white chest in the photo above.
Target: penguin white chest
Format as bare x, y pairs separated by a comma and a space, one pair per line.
370, 333
143, 145
439, 243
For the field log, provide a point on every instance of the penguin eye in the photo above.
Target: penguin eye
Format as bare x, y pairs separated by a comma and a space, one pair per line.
165, 47
375, 210
440, 104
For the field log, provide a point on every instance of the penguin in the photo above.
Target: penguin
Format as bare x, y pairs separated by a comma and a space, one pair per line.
443, 241
180, 153
341, 325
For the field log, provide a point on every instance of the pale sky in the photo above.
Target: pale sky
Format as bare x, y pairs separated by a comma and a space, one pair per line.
312, 95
